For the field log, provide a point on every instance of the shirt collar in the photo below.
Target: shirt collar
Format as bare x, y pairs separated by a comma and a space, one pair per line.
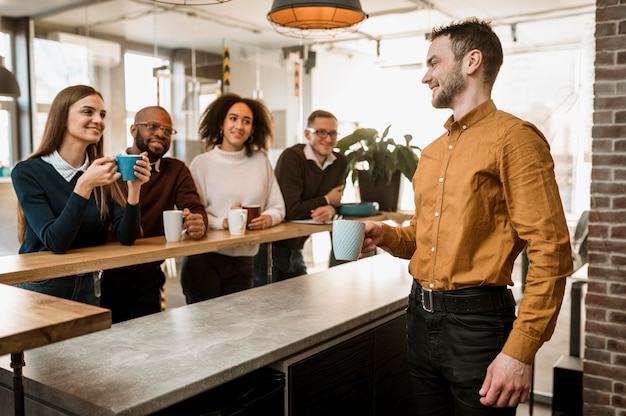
472, 117
310, 155
155, 166
64, 169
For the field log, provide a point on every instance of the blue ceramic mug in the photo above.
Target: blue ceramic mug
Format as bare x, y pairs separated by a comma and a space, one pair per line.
126, 166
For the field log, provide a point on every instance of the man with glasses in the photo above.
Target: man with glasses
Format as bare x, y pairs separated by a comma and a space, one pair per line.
135, 291
311, 178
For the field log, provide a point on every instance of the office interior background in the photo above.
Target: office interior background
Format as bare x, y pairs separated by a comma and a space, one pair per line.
143, 52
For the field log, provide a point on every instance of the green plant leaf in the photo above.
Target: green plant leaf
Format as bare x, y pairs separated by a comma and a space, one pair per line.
380, 156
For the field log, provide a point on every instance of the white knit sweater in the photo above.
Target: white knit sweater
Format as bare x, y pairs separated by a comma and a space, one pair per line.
225, 179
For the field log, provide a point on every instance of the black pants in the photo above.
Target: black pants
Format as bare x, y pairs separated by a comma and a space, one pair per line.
209, 275
131, 293
448, 356
286, 263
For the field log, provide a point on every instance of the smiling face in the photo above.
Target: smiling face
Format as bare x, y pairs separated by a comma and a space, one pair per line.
85, 120
237, 127
322, 146
153, 141
444, 76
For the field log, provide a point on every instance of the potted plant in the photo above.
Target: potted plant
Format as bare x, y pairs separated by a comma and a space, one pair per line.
378, 162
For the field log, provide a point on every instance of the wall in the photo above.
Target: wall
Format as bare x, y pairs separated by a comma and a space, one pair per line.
366, 91
8, 218
604, 379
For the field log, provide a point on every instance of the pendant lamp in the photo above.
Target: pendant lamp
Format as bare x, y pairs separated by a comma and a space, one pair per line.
191, 2
8, 83
302, 17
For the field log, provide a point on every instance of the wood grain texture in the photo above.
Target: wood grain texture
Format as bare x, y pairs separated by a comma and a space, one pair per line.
19, 268
29, 319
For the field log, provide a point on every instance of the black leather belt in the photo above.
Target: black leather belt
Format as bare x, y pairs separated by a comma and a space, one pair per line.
471, 300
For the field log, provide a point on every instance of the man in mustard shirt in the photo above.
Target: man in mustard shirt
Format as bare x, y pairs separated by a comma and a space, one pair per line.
483, 191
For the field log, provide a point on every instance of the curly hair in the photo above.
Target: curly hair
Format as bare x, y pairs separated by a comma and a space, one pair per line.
212, 119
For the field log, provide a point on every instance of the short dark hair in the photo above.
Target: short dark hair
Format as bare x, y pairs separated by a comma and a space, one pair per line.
214, 115
470, 34
319, 113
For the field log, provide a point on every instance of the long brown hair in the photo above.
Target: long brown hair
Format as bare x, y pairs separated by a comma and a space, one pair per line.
51, 140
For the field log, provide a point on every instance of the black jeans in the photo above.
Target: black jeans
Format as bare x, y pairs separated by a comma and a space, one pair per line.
209, 275
132, 293
286, 263
448, 356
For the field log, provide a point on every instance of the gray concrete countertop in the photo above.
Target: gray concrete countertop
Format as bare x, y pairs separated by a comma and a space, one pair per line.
146, 364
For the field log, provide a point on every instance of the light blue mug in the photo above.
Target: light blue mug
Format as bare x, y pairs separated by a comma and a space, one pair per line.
347, 239
126, 166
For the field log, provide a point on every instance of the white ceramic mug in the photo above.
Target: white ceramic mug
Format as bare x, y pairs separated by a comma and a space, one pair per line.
348, 239
173, 225
237, 218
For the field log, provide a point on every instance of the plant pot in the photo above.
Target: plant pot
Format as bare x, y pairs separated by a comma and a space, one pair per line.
386, 194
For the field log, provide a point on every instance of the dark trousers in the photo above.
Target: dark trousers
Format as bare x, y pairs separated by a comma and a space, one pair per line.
286, 263
132, 293
448, 355
209, 275
81, 288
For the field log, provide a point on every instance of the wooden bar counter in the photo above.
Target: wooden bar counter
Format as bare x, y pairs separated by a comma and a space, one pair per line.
29, 320
44, 265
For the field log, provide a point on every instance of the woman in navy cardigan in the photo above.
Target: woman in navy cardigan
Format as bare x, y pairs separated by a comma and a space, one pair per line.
68, 191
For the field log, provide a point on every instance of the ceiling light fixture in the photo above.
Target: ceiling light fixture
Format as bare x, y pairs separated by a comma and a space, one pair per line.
191, 2
311, 18
8, 84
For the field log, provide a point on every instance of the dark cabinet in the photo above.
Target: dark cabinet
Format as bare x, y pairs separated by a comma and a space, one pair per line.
365, 375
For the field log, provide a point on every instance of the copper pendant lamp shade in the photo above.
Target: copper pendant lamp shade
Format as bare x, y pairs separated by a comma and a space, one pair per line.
316, 15
191, 2
8, 84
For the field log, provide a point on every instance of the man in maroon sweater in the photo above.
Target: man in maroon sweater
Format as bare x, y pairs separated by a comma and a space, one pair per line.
135, 291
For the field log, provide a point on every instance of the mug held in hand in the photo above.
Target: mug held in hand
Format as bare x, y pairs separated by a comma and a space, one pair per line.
348, 239
237, 221
173, 225
126, 166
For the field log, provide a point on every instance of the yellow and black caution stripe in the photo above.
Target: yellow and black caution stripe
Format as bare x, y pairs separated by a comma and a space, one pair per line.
226, 70
296, 79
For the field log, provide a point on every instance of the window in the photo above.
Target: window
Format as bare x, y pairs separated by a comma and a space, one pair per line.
147, 82
8, 115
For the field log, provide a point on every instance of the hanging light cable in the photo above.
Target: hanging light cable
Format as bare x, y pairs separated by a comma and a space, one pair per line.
8, 84
311, 18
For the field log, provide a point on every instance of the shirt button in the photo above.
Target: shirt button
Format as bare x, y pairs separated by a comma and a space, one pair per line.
450, 147
436, 214
432, 249
440, 179
464, 127
432, 285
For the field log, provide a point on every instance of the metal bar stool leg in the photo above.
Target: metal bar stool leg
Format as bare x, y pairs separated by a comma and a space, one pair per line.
17, 362
270, 262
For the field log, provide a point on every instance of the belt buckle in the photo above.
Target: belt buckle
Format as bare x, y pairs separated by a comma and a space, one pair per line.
428, 308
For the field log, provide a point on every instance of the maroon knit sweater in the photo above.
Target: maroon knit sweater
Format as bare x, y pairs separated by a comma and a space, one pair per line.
172, 186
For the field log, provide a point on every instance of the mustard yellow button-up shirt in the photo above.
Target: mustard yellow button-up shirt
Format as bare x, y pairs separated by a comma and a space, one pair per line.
483, 190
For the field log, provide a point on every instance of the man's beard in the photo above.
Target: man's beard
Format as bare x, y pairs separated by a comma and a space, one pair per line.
453, 85
143, 146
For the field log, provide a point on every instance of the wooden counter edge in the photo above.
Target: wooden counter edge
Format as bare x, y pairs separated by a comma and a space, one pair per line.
20, 268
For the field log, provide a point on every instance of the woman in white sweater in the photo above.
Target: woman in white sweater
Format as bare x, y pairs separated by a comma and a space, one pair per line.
235, 171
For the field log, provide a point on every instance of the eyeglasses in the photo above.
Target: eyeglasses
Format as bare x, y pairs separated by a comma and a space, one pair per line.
324, 133
154, 127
